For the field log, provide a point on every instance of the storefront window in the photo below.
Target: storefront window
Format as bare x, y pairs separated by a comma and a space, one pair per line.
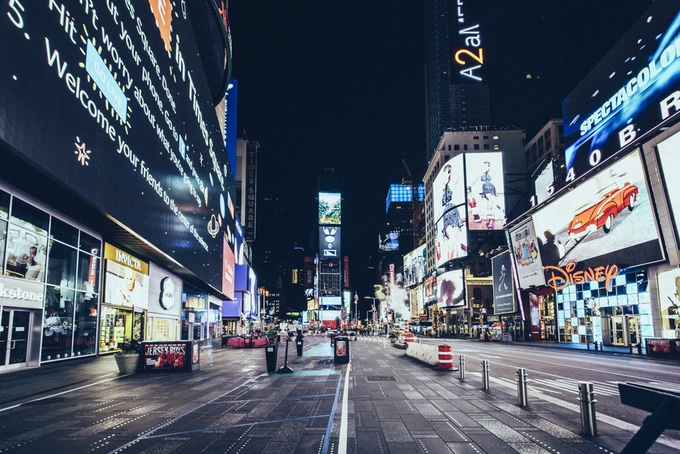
29, 216
58, 323
3, 238
26, 253
4, 205
61, 231
116, 328
88, 272
85, 332
62, 265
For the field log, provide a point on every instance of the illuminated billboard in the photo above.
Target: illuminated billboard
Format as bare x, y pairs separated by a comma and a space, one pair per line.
415, 265
451, 289
329, 208
329, 242
524, 244
485, 191
503, 290
607, 219
113, 101
388, 241
467, 51
668, 155
630, 92
448, 189
448, 192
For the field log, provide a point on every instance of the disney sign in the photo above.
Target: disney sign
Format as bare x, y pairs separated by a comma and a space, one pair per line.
561, 277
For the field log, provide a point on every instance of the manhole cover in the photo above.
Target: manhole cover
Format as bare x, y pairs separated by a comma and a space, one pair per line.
382, 378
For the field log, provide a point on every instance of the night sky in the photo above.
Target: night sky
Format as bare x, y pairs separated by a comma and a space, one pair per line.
339, 84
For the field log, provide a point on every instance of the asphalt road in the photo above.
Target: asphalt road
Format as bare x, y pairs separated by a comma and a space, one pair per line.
381, 401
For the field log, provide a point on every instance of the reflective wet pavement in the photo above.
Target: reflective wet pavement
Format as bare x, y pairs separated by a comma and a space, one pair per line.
381, 402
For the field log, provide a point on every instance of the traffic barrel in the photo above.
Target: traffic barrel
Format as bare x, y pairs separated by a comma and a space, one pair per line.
445, 357
410, 337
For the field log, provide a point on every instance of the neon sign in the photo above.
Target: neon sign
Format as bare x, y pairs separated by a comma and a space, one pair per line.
566, 276
471, 55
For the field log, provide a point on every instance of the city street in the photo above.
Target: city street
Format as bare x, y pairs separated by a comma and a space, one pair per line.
381, 402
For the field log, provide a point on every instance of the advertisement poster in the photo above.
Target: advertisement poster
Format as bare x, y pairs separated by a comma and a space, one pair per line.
415, 263
485, 191
525, 246
607, 219
448, 193
167, 355
503, 290
451, 289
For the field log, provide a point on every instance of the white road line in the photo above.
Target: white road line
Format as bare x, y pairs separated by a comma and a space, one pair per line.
342, 442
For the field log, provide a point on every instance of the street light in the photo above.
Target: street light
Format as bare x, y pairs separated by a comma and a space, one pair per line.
372, 310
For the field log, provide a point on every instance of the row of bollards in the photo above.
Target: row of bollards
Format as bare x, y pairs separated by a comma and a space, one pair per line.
586, 395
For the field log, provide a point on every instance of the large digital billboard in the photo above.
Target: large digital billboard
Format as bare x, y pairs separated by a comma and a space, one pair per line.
329, 242
450, 289
330, 208
630, 92
524, 243
607, 219
448, 193
112, 100
668, 152
485, 191
503, 290
415, 266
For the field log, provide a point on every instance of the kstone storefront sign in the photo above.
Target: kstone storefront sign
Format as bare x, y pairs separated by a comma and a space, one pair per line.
21, 293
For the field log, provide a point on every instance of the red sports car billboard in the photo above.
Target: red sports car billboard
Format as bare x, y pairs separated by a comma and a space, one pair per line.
607, 219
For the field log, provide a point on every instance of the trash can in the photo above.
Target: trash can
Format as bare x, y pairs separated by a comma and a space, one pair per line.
298, 344
341, 350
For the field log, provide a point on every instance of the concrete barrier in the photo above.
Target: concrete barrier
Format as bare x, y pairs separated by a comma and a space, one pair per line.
428, 354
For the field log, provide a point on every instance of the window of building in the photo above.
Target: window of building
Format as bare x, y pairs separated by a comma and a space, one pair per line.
496, 147
486, 146
476, 146
465, 147
456, 147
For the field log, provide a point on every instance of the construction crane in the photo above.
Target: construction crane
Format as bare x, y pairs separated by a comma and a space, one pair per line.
415, 205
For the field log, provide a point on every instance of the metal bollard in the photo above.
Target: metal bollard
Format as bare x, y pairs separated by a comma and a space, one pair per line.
522, 387
485, 374
587, 404
461, 367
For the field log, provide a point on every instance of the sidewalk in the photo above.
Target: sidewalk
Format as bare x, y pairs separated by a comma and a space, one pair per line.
381, 402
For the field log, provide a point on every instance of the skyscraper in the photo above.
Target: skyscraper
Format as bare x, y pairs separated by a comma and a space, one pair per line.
457, 96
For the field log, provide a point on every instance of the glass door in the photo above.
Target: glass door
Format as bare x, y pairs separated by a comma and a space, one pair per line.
633, 329
14, 336
617, 330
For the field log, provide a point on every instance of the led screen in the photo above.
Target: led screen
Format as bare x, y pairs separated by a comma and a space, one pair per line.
388, 241
450, 289
448, 191
503, 290
110, 99
329, 208
607, 219
485, 191
524, 244
329, 242
628, 94
668, 154
415, 263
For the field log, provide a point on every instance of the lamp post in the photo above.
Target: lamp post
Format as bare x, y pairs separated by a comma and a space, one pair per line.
373, 309
356, 313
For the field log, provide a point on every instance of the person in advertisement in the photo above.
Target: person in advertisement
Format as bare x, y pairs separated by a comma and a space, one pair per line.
129, 291
453, 224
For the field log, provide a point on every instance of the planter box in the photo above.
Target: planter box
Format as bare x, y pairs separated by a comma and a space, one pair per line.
127, 364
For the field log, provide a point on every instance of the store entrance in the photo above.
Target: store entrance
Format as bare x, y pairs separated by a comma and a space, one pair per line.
622, 330
14, 337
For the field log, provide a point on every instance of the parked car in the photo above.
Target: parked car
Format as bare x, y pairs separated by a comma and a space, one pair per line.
608, 203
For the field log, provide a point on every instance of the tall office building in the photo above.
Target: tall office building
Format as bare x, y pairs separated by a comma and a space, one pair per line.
457, 97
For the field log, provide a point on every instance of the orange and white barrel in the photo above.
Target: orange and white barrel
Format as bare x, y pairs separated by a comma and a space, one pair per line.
445, 357
410, 338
